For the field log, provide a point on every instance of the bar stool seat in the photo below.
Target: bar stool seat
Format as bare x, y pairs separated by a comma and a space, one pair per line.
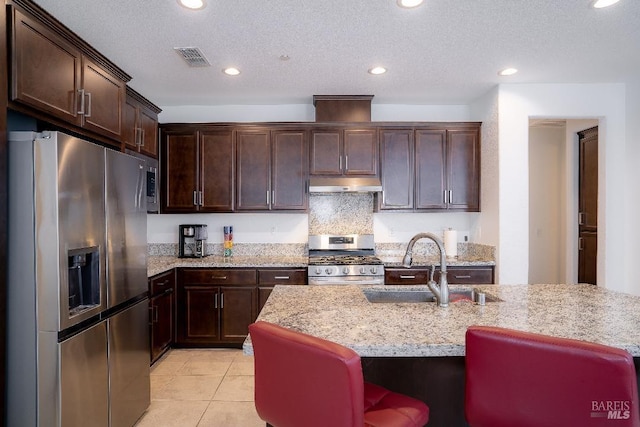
515, 378
301, 380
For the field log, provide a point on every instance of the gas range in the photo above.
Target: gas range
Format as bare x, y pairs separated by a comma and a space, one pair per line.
344, 259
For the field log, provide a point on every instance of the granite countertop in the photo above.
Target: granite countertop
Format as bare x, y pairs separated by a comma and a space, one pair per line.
342, 314
160, 264
423, 261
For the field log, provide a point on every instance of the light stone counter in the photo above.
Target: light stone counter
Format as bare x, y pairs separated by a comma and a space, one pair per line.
160, 264
342, 314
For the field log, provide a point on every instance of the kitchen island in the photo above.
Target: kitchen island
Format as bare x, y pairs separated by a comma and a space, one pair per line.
418, 348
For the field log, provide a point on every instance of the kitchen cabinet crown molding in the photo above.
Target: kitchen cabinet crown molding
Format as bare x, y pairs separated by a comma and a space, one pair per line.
60, 29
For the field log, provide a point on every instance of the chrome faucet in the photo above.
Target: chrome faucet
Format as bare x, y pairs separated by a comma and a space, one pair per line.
441, 291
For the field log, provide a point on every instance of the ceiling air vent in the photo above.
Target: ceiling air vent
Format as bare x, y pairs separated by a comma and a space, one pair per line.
193, 56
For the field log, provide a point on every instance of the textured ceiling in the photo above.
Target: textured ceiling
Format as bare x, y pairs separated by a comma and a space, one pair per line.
444, 52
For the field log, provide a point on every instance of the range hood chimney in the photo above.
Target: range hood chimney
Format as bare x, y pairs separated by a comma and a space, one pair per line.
338, 184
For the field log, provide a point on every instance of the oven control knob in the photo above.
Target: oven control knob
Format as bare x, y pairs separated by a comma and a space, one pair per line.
328, 271
374, 270
363, 270
318, 270
345, 270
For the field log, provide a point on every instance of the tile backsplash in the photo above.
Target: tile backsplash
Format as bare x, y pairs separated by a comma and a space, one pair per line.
341, 213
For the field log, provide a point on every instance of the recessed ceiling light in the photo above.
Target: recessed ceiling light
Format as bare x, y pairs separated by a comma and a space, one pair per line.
231, 71
284, 57
599, 4
377, 70
508, 72
192, 4
409, 3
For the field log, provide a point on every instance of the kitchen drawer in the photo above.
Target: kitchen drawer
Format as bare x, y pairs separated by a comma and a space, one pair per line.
468, 275
160, 283
291, 276
406, 276
219, 276
455, 276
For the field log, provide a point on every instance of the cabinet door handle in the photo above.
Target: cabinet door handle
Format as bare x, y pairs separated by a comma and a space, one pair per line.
215, 301
445, 196
141, 137
221, 300
346, 163
200, 198
407, 276
463, 277
340, 163
581, 217
281, 277
168, 291
219, 277
580, 244
195, 198
450, 196
267, 197
88, 114
273, 196
81, 109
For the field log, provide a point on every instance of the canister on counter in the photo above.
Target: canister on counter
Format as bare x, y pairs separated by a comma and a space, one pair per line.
228, 240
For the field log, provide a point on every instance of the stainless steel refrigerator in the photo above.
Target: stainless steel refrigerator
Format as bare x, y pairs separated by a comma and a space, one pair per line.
77, 303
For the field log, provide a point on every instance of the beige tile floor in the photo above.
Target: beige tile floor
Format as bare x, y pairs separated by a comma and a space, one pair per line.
202, 388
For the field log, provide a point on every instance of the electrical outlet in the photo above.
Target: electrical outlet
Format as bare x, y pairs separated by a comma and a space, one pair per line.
464, 236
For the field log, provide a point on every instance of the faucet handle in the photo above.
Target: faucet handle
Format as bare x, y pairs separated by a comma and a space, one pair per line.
433, 270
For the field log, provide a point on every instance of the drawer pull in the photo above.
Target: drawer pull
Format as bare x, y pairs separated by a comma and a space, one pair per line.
463, 277
403, 276
281, 277
219, 277
166, 282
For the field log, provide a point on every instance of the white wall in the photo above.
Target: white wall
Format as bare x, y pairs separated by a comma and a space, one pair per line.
631, 192
485, 109
546, 204
517, 104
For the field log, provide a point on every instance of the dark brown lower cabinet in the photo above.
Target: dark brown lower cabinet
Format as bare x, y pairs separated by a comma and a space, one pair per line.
215, 306
268, 278
455, 275
161, 313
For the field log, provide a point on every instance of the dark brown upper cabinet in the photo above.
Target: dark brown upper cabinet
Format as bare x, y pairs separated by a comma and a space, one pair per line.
197, 170
430, 169
344, 151
272, 170
51, 74
140, 124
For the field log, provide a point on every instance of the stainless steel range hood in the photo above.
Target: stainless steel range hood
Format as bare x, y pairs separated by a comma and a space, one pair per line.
344, 185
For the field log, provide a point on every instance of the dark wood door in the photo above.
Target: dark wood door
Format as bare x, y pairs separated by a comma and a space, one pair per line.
129, 124
253, 176
162, 309
104, 98
179, 180
237, 312
263, 295
360, 152
588, 206
326, 152
148, 125
430, 163
198, 314
46, 69
396, 173
463, 169
289, 170
217, 171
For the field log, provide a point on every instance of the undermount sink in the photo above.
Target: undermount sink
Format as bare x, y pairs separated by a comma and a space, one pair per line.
415, 296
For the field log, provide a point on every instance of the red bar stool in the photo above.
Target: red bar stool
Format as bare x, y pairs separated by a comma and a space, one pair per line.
301, 380
516, 378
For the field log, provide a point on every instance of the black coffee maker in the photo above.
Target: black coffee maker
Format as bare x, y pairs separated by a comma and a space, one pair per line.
192, 241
